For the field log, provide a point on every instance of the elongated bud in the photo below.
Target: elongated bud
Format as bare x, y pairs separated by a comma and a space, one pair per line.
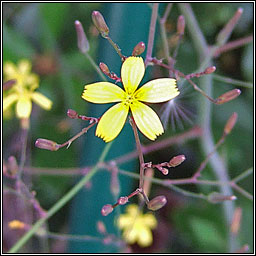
72, 114
177, 160
9, 84
228, 96
236, 221
164, 171
16, 224
225, 33
218, 198
181, 25
106, 209
230, 123
123, 200
157, 203
82, 42
13, 165
104, 68
47, 144
138, 49
210, 70
100, 23
101, 227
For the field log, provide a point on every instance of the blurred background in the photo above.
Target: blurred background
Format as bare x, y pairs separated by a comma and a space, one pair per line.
44, 33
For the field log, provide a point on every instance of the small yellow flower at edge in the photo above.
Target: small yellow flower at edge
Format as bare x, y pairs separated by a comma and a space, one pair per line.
131, 98
137, 226
23, 91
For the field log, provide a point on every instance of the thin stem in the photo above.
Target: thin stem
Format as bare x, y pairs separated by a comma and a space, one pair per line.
151, 35
242, 191
232, 81
84, 130
139, 149
23, 152
243, 175
60, 203
116, 47
95, 66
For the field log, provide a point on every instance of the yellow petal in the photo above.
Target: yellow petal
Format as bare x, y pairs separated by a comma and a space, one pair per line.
130, 235
158, 90
112, 122
149, 220
41, 100
24, 107
9, 100
24, 66
10, 70
147, 120
145, 237
132, 72
125, 220
103, 92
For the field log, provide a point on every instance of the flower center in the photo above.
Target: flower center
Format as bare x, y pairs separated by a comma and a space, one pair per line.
128, 100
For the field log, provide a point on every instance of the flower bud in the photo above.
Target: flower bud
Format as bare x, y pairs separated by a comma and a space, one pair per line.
164, 171
101, 227
157, 203
104, 68
177, 160
138, 49
82, 42
230, 123
16, 224
210, 70
47, 144
9, 84
216, 197
72, 113
236, 221
228, 96
12, 164
181, 25
123, 200
100, 23
106, 209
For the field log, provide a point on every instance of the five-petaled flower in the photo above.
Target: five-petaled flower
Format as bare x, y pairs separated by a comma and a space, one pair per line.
131, 98
137, 226
23, 91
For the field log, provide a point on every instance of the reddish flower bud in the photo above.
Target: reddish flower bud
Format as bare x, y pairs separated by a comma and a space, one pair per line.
100, 23
47, 144
72, 113
82, 42
230, 123
104, 68
106, 209
181, 25
157, 203
210, 70
12, 164
138, 49
216, 197
177, 160
228, 96
101, 227
123, 200
236, 221
164, 171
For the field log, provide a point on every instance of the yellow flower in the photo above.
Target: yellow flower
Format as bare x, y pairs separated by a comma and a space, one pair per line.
137, 226
23, 91
131, 98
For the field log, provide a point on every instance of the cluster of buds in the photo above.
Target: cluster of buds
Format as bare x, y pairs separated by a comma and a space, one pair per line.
175, 161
